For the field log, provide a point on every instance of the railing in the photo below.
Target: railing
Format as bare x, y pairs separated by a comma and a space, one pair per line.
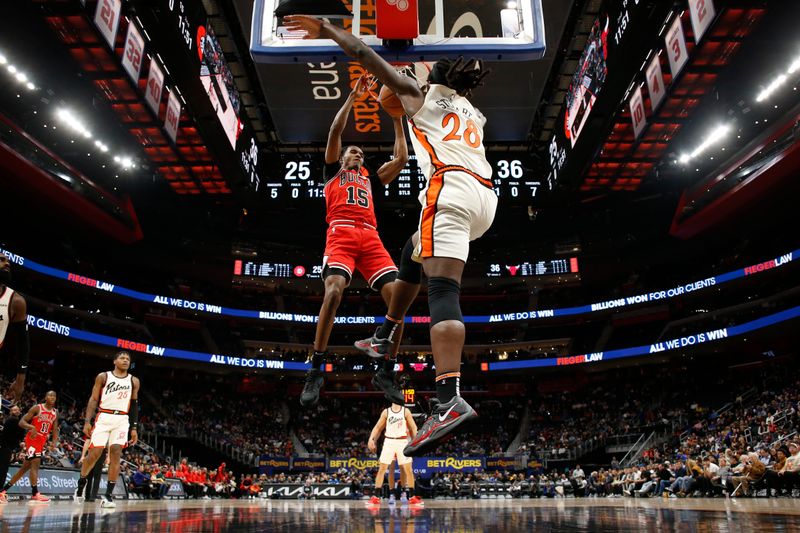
242, 456
522, 434
572, 453
633, 457
627, 456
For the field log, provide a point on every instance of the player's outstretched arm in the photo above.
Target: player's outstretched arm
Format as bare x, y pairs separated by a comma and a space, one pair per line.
391, 169
404, 87
94, 400
334, 147
372, 444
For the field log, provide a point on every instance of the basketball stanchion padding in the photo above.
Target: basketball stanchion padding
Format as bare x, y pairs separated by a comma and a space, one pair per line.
397, 20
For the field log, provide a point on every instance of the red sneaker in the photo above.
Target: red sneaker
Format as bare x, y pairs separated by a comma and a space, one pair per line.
416, 500
442, 422
374, 501
40, 498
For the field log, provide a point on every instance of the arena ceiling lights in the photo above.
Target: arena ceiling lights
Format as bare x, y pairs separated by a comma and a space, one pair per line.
73, 122
778, 81
19, 75
714, 137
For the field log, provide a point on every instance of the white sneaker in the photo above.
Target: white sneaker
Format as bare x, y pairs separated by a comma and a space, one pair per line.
107, 502
76, 498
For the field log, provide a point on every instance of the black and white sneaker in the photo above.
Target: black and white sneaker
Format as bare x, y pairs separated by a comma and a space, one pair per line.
374, 347
314, 382
107, 501
444, 419
76, 497
384, 381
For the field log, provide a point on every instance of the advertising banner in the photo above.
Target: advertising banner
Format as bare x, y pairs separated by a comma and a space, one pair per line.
56, 484
426, 467
268, 464
316, 464
319, 492
175, 488
504, 462
351, 463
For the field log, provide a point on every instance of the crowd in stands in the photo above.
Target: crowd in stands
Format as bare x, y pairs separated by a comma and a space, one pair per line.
747, 446
255, 425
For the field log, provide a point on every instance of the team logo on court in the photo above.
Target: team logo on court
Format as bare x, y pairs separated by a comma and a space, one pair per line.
402, 5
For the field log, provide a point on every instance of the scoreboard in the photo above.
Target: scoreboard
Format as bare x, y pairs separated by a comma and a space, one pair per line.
298, 177
538, 268
261, 269
286, 270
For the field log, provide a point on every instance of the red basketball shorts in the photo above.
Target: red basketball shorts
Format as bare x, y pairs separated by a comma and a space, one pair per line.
357, 246
34, 447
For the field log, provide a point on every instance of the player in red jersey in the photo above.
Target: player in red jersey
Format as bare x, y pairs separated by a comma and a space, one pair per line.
352, 242
40, 422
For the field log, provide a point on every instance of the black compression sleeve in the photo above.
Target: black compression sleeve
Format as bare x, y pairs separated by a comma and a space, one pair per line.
133, 414
23, 344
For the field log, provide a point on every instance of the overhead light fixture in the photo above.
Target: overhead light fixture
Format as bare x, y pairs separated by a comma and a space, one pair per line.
716, 135
21, 77
73, 122
3, 59
771, 88
318, 8
12, 69
795, 66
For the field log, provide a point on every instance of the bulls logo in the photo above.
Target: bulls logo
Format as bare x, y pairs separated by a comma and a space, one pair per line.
402, 5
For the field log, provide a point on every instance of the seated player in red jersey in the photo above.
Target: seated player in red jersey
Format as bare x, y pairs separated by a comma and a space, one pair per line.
353, 242
41, 421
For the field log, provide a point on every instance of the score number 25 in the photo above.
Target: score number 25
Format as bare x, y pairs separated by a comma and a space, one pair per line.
297, 169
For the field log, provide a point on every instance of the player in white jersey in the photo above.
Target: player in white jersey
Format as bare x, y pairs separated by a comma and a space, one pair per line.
14, 320
115, 397
398, 427
458, 206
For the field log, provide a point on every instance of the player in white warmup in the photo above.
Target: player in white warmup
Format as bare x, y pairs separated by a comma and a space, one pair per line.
398, 427
14, 320
115, 396
459, 205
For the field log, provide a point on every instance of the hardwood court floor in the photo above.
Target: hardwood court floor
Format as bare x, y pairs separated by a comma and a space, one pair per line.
495, 516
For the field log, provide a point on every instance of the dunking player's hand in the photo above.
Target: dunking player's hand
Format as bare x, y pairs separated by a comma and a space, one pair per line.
134, 437
311, 25
363, 85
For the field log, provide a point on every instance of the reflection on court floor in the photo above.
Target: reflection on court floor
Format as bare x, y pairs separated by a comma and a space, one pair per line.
497, 516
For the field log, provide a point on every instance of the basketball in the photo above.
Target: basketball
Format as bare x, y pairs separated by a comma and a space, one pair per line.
390, 102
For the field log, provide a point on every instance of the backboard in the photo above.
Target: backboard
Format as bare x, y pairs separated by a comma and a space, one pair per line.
493, 30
